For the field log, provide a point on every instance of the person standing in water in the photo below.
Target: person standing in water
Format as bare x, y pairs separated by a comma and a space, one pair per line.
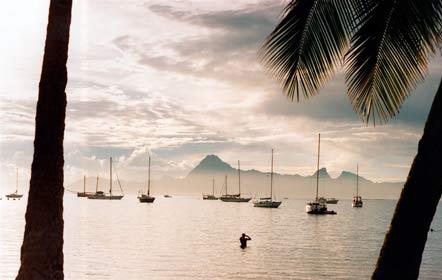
243, 239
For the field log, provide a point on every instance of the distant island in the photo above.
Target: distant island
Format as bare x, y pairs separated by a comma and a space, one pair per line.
255, 182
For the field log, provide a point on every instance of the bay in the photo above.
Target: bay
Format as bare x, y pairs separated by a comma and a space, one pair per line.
185, 237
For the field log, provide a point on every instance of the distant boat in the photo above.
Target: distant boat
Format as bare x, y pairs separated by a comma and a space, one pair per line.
318, 207
103, 196
146, 198
357, 199
15, 195
211, 196
167, 196
234, 197
268, 202
329, 200
84, 193
332, 200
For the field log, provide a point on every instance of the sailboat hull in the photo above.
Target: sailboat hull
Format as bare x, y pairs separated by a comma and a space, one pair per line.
146, 199
84, 194
267, 204
14, 196
332, 201
357, 202
210, 197
105, 197
316, 208
234, 199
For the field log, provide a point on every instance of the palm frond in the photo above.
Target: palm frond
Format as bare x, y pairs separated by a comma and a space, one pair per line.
308, 44
389, 53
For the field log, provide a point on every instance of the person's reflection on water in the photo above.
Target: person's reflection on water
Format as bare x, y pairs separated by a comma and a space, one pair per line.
243, 239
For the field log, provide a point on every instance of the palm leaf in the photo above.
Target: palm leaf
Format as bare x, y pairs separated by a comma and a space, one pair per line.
307, 46
389, 53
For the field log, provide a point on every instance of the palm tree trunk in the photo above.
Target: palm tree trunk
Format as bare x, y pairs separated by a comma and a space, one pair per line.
401, 253
42, 249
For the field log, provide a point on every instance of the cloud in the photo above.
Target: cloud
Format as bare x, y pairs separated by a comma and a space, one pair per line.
223, 49
182, 80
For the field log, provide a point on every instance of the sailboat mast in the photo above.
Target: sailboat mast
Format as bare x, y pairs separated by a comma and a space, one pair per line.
271, 179
225, 182
110, 175
16, 181
239, 179
317, 166
213, 186
96, 186
148, 179
84, 184
357, 179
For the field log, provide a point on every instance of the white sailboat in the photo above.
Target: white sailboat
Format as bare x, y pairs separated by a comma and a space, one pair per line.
211, 196
357, 199
147, 198
110, 196
268, 202
318, 206
234, 197
15, 195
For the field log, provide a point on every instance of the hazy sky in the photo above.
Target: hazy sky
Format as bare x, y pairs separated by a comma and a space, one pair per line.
181, 79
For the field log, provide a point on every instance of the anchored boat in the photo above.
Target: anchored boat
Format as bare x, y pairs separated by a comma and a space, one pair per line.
318, 207
332, 200
15, 195
147, 198
329, 200
234, 197
110, 196
211, 196
268, 202
357, 199
84, 193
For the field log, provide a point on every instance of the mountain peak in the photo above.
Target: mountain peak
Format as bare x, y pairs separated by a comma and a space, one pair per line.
322, 173
347, 175
211, 163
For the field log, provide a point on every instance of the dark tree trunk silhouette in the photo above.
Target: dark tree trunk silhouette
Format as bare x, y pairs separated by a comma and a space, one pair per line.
401, 253
42, 249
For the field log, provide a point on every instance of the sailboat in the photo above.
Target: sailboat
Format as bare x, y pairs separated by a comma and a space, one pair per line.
110, 196
268, 202
15, 195
357, 199
84, 193
146, 198
234, 197
332, 200
329, 200
211, 196
318, 207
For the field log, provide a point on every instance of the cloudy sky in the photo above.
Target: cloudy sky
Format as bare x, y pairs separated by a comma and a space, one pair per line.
180, 79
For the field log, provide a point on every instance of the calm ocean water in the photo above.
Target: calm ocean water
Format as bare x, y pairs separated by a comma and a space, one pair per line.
188, 238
